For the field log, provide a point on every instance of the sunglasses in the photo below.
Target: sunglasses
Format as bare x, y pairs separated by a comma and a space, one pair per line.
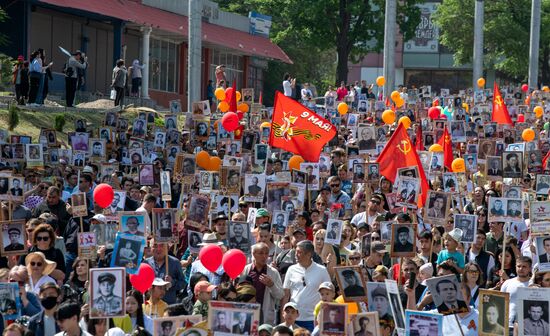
39, 264
334, 185
354, 258
42, 238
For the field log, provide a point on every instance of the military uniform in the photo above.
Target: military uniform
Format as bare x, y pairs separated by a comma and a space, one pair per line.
110, 305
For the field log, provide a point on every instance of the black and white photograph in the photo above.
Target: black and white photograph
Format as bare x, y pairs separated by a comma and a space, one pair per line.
231, 179
15, 186
395, 304
352, 283
105, 230
542, 186
50, 135
425, 159
79, 205
194, 239
173, 326
366, 139
10, 300
408, 190
111, 119
333, 317
279, 222
493, 168
533, 311
450, 182
446, 294
238, 236
254, 187
428, 139
165, 187
14, 237
468, 225
202, 129
458, 133
493, 312
490, 130
362, 106
80, 125
514, 209
175, 106
239, 318
128, 252
515, 147
359, 172
205, 179
513, 164
373, 172
312, 177
160, 139
146, 174
248, 142
497, 208
97, 148
260, 152
298, 177
436, 164
164, 224
248, 95
132, 223
486, 148
139, 128
542, 244
438, 206
378, 301
170, 122
534, 161
107, 292
119, 200
197, 210
333, 233
422, 323
365, 324
226, 205
403, 240
33, 154
188, 165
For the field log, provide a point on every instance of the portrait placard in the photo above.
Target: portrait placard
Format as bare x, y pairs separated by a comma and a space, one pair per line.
333, 317
128, 252
542, 244
453, 297
166, 189
365, 324
468, 225
197, 210
438, 206
14, 238
233, 317
10, 300
533, 310
168, 326
164, 224
79, 205
107, 292
421, 323
333, 233
493, 312
279, 222
238, 236
403, 240
87, 245
105, 233
352, 283
395, 303
132, 223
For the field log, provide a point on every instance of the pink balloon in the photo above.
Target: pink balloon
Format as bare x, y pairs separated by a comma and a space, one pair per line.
143, 280
103, 195
211, 257
230, 121
233, 262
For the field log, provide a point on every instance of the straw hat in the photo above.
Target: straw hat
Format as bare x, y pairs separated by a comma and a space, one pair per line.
50, 265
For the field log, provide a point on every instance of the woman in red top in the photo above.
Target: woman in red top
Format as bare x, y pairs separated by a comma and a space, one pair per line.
342, 92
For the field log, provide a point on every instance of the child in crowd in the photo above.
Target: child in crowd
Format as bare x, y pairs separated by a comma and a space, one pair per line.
450, 255
290, 314
203, 293
327, 292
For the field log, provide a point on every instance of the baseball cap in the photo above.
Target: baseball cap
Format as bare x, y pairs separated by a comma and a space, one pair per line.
291, 305
204, 286
262, 212
160, 282
362, 225
378, 247
100, 218
327, 285
265, 327
299, 230
88, 170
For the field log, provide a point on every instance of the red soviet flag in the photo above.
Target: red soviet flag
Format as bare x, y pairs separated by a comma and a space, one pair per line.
419, 143
500, 111
297, 129
447, 144
399, 152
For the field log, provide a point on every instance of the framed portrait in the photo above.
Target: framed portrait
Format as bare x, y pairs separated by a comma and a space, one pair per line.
490, 130
542, 186
202, 129
122, 124
359, 172
33, 153
458, 132
87, 245
403, 240
175, 106
232, 161
422, 323
298, 177
333, 317
160, 139
534, 161
146, 174
497, 208
513, 164
395, 304
10, 301
226, 205
450, 182
139, 128
438, 206
436, 164
333, 233
486, 148
197, 210
254, 187
170, 122
15, 187
493, 168
248, 142
379, 301
453, 297
542, 244
107, 292
238, 236
194, 239
80, 125
50, 135
276, 192
514, 209
79, 204
493, 312
352, 283
428, 139
408, 189
165, 188
312, 174
168, 326
279, 222
14, 237
233, 317
425, 159
4, 186
118, 203
533, 310
164, 224
248, 95
111, 119
515, 147
260, 152
373, 172
128, 252
231, 179
468, 225
132, 223
365, 324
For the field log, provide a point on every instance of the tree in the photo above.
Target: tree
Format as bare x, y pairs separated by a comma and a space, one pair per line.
506, 34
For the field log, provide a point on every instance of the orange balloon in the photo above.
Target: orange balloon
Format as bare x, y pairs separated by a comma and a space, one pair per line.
481, 82
399, 102
223, 106
538, 111
545, 89
265, 124
528, 134
436, 148
243, 107
388, 117
380, 81
238, 94
458, 165
203, 159
219, 93
405, 121
294, 162
214, 163
395, 95
343, 108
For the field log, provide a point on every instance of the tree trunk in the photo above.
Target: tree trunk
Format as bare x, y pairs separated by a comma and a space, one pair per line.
545, 67
342, 66
342, 48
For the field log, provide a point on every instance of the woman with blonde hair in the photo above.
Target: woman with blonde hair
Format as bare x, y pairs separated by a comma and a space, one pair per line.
39, 268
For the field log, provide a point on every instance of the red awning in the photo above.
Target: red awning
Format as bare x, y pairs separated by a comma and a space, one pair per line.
136, 12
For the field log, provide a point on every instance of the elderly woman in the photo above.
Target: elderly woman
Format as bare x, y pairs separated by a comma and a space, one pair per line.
30, 303
39, 268
43, 240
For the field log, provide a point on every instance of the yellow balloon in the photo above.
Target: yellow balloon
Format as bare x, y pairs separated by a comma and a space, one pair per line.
220, 94
388, 117
435, 148
528, 134
395, 95
481, 82
342, 108
545, 89
266, 124
399, 102
466, 107
238, 94
243, 107
380, 81
458, 165
223, 106
405, 121
538, 111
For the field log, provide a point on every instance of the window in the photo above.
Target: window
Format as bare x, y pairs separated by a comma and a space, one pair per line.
233, 67
163, 71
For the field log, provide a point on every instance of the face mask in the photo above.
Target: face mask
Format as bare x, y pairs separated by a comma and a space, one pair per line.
49, 302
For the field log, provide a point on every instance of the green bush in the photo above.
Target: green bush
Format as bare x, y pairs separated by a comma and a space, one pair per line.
59, 122
13, 117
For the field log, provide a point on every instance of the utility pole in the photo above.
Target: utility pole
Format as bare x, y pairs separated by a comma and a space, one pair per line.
534, 45
194, 53
389, 46
478, 42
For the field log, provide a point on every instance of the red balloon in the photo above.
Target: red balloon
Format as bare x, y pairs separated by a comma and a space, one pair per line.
434, 112
211, 257
240, 114
228, 94
103, 195
443, 116
230, 121
524, 87
521, 118
233, 262
143, 280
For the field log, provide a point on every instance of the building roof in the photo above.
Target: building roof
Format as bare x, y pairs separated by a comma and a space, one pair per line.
136, 12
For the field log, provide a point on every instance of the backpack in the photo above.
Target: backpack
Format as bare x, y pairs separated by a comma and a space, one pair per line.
68, 70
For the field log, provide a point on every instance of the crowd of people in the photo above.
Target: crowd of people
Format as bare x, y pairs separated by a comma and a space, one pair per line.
331, 249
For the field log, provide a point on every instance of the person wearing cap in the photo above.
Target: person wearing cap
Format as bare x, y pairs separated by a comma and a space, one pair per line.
371, 212
327, 293
155, 306
266, 280
402, 243
175, 277
14, 235
377, 253
106, 302
290, 314
351, 284
450, 255
203, 294
262, 216
302, 282
265, 330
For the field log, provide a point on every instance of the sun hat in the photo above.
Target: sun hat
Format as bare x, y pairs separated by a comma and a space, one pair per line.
50, 265
210, 239
456, 234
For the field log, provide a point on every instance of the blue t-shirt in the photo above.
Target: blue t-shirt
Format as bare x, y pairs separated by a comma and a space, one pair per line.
456, 256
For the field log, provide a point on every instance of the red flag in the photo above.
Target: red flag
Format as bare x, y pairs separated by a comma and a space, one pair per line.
544, 160
419, 142
297, 129
233, 101
260, 100
500, 111
399, 153
447, 144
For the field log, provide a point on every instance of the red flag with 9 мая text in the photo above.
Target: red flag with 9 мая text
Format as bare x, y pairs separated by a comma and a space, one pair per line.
298, 130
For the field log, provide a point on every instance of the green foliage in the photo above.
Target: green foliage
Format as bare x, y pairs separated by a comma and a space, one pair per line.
6, 68
159, 122
59, 122
506, 33
3, 17
13, 117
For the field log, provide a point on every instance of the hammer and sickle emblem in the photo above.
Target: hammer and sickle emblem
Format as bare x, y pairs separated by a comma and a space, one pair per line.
406, 147
498, 100
447, 139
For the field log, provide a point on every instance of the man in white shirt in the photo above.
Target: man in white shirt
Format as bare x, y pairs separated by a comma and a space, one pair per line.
523, 269
369, 215
302, 282
288, 84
